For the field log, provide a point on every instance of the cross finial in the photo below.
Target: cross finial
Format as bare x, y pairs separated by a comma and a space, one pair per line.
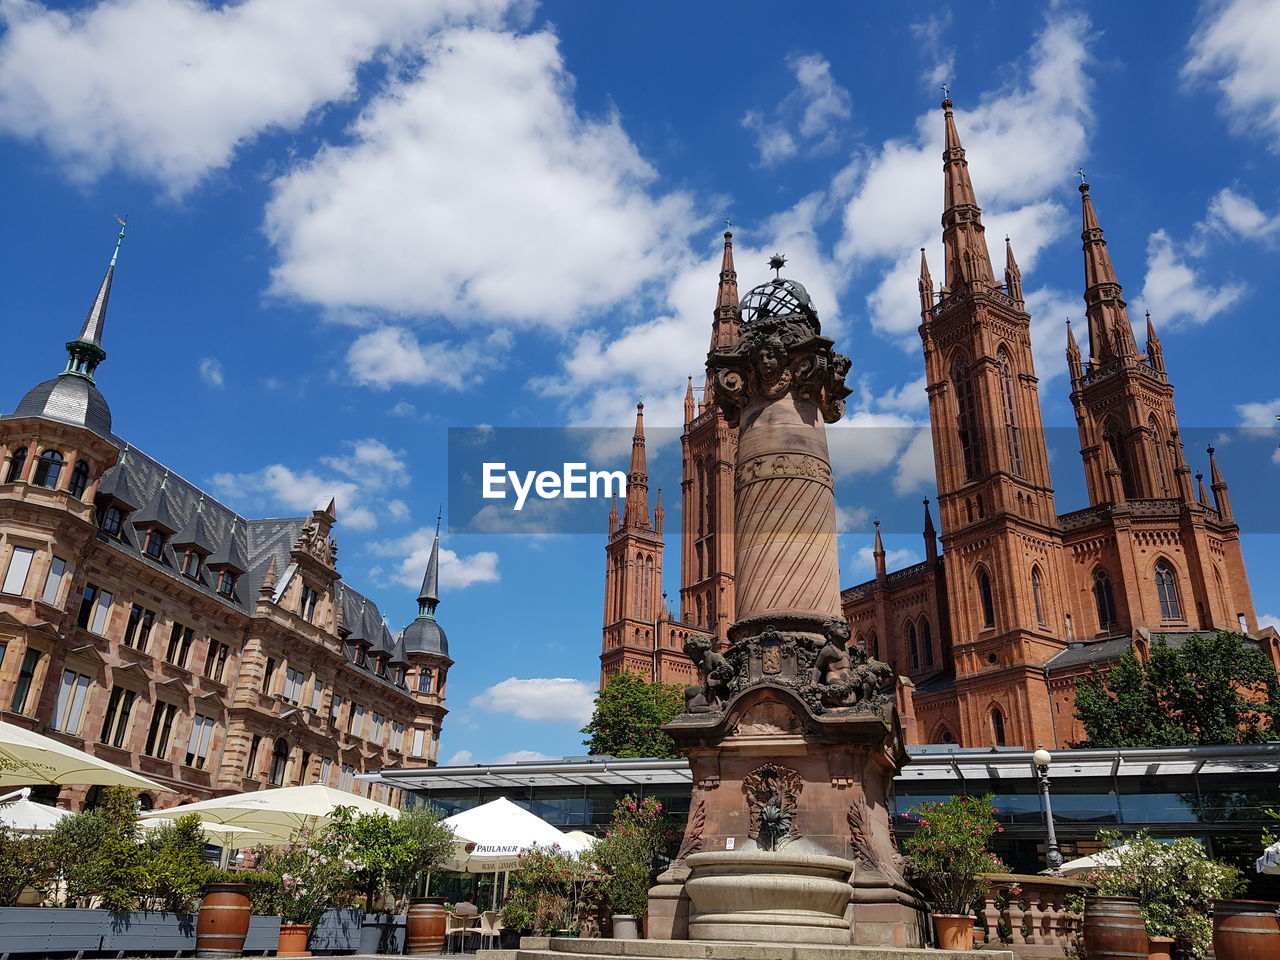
728, 225
946, 92
439, 514
123, 221
1081, 172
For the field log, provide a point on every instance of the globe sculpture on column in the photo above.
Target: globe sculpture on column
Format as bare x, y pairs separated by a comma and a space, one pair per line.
792, 735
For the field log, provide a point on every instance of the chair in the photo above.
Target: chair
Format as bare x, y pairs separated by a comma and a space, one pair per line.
461, 928
490, 927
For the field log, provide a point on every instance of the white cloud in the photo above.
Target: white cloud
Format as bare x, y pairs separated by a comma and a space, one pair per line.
1236, 216
928, 35
457, 572
170, 89
371, 463
521, 756
849, 519
460, 759
915, 470
303, 491
864, 559
473, 190
808, 115
557, 700
1235, 49
1262, 414
211, 371
1175, 292
1267, 620
1022, 142
391, 355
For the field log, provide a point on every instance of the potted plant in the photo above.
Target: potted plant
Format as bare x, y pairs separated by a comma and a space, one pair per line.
310, 879
638, 841
1175, 884
550, 885
222, 921
948, 855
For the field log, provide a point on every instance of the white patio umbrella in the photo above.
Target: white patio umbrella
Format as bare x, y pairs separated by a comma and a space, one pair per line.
1095, 861
27, 758
219, 834
278, 812
20, 813
1269, 862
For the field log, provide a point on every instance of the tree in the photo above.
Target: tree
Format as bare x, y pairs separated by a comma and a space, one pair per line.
629, 715
1211, 690
387, 853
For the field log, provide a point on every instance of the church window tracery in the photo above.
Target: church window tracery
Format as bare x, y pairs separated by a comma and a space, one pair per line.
1111, 437
926, 632
967, 418
1162, 463
1105, 599
1167, 592
988, 602
997, 726
1012, 437
1037, 595
913, 644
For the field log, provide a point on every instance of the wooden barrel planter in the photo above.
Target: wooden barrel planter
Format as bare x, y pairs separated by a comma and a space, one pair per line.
1114, 930
1246, 930
425, 933
223, 921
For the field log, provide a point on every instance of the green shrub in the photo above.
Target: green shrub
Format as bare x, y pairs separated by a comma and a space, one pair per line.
387, 853
174, 869
635, 847
72, 854
948, 852
24, 862
546, 891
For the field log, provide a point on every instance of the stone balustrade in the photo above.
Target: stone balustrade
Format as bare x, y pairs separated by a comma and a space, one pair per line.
1034, 922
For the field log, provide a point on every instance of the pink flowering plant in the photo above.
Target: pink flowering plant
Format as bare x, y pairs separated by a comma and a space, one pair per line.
313, 871
548, 891
638, 844
948, 852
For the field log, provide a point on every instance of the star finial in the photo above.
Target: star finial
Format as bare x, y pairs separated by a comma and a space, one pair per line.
776, 263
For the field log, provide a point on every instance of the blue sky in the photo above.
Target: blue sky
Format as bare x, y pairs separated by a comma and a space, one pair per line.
353, 226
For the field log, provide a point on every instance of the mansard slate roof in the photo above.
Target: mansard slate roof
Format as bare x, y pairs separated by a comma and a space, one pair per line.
73, 400
425, 636
1100, 651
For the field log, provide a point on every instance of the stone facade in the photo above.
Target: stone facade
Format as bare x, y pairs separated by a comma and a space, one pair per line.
992, 631
147, 624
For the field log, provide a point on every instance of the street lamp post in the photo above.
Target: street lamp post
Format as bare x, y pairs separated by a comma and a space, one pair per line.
1052, 857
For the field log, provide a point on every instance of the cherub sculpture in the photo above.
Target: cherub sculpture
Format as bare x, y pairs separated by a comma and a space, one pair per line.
716, 673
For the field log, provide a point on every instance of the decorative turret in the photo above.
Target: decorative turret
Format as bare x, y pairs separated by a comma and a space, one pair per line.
1155, 352
725, 329
1221, 498
879, 554
425, 635
925, 286
1110, 335
1012, 275
636, 513
1202, 495
690, 407
967, 261
658, 515
613, 515
1073, 357
930, 535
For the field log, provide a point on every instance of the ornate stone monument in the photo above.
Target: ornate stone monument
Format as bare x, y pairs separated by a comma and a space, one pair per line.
792, 736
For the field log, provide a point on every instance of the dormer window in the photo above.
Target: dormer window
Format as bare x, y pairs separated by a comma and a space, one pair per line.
226, 583
191, 564
112, 521
79, 479
307, 605
16, 463
153, 545
48, 467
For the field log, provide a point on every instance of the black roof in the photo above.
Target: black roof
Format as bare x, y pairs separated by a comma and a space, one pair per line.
69, 399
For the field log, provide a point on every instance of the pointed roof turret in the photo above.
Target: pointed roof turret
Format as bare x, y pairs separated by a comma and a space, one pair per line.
658, 514
158, 511
878, 553
268, 588
424, 635
1221, 498
195, 532
690, 407
1202, 493
930, 534
1012, 275
85, 352
613, 515
966, 258
1110, 335
925, 286
636, 512
726, 327
115, 483
1155, 352
1073, 355
229, 555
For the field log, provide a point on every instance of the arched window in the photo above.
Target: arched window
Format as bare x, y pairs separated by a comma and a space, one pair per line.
997, 726
279, 763
1105, 599
947, 736
926, 632
1010, 413
988, 604
47, 469
1037, 595
967, 418
16, 463
874, 645
913, 644
1120, 451
79, 479
1167, 591
1162, 462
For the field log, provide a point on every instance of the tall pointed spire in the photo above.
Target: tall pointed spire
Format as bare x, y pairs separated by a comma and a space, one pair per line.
1221, 498
878, 553
1201, 493
930, 535
85, 352
429, 596
1155, 352
659, 515
1110, 335
690, 408
967, 261
725, 328
1073, 356
925, 286
636, 513
1012, 275
613, 515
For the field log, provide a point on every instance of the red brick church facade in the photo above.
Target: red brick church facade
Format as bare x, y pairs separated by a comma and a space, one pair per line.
991, 633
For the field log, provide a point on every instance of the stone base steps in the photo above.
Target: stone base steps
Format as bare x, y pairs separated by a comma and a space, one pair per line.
569, 948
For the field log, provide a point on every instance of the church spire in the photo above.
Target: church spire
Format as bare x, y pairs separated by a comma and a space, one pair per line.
967, 261
659, 515
1202, 493
690, 408
1073, 356
1110, 335
1221, 499
1155, 352
925, 286
636, 513
429, 596
930, 535
1012, 275
725, 328
85, 352
878, 553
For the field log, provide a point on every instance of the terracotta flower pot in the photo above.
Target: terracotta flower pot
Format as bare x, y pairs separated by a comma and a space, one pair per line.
954, 930
293, 940
1159, 948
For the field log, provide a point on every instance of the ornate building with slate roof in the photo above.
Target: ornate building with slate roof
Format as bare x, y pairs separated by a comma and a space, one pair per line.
990, 634
150, 625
